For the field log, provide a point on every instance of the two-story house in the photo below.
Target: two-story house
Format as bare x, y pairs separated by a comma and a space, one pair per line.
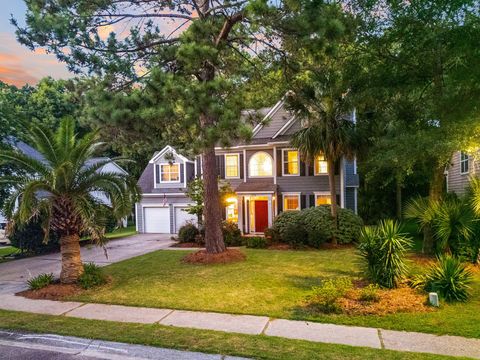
267, 175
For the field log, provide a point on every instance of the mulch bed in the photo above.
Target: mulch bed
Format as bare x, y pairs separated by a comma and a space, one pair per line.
202, 257
187, 245
52, 292
402, 299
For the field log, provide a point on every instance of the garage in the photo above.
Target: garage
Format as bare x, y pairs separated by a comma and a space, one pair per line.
182, 217
157, 220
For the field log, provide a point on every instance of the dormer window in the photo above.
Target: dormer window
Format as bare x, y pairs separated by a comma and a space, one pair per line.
169, 173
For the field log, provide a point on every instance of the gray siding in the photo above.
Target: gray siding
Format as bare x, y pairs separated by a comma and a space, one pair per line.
350, 198
139, 218
458, 182
190, 172
276, 121
351, 179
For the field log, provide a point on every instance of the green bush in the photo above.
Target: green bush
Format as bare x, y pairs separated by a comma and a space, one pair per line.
450, 278
369, 293
232, 234
272, 235
92, 276
40, 281
256, 242
29, 238
317, 226
188, 233
383, 249
325, 297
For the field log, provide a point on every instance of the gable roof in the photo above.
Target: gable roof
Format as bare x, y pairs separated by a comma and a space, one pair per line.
165, 150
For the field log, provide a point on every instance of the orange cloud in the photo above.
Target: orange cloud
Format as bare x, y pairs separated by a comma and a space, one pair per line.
20, 66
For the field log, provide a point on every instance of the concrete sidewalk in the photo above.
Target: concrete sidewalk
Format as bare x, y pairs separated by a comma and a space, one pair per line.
14, 274
255, 325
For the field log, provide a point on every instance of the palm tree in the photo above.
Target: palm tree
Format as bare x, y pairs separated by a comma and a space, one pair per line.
328, 132
58, 188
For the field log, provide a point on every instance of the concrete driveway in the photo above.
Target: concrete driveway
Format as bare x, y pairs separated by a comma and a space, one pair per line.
14, 274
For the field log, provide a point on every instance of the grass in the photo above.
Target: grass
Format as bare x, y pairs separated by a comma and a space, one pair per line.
272, 283
7, 251
259, 347
122, 232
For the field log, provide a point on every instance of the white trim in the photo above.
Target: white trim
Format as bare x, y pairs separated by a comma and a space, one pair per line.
247, 146
184, 175
136, 216
238, 165
298, 194
355, 200
272, 111
244, 165
275, 170
283, 161
166, 149
255, 192
285, 127
355, 165
163, 194
342, 183
259, 176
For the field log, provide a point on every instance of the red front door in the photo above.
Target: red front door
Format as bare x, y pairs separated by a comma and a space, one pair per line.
261, 215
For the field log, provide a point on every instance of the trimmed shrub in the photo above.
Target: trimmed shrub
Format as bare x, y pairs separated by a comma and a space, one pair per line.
317, 226
383, 249
295, 235
256, 242
450, 278
29, 238
188, 233
272, 235
40, 281
325, 297
92, 276
231, 234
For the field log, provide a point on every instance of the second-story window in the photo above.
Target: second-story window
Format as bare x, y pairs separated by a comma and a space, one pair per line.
169, 173
232, 166
260, 165
464, 166
290, 162
321, 166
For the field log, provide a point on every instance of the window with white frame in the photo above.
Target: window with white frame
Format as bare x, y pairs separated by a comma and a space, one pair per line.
232, 166
169, 173
291, 202
260, 165
323, 199
464, 162
290, 162
321, 165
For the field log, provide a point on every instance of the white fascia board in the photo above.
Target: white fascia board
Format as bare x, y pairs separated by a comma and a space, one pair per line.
171, 149
272, 111
285, 127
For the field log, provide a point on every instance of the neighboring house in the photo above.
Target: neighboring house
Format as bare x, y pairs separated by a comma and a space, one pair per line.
111, 167
462, 167
267, 175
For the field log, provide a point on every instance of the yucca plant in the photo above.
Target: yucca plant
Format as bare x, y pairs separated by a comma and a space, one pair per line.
58, 188
423, 211
383, 248
450, 278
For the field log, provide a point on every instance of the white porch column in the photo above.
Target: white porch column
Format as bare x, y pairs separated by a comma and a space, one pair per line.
270, 212
240, 213
342, 184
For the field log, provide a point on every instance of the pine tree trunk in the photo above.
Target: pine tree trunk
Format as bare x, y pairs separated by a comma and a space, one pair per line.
212, 212
72, 266
333, 196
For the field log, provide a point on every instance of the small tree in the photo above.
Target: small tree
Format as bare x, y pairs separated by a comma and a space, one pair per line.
57, 189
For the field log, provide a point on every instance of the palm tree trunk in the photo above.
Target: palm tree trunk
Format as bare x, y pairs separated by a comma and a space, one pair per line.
398, 193
333, 197
214, 243
72, 266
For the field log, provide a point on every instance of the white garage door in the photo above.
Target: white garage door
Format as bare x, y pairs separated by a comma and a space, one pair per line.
157, 220
181, 217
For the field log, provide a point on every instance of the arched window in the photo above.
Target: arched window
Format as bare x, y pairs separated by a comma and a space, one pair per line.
260, 165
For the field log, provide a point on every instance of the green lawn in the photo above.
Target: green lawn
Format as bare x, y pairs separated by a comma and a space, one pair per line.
259, 347
6, 251
122, 232
272, 283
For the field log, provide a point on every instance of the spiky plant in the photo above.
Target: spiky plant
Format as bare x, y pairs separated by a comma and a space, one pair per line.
450, 278
384, 248
58, 190
423, 211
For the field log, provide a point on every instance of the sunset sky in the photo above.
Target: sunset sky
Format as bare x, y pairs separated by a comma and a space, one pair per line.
19, 65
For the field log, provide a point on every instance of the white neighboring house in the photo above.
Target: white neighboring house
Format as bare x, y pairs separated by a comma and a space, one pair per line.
111, 167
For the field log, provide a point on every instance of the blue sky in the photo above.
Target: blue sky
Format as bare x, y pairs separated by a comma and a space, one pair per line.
19, 65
